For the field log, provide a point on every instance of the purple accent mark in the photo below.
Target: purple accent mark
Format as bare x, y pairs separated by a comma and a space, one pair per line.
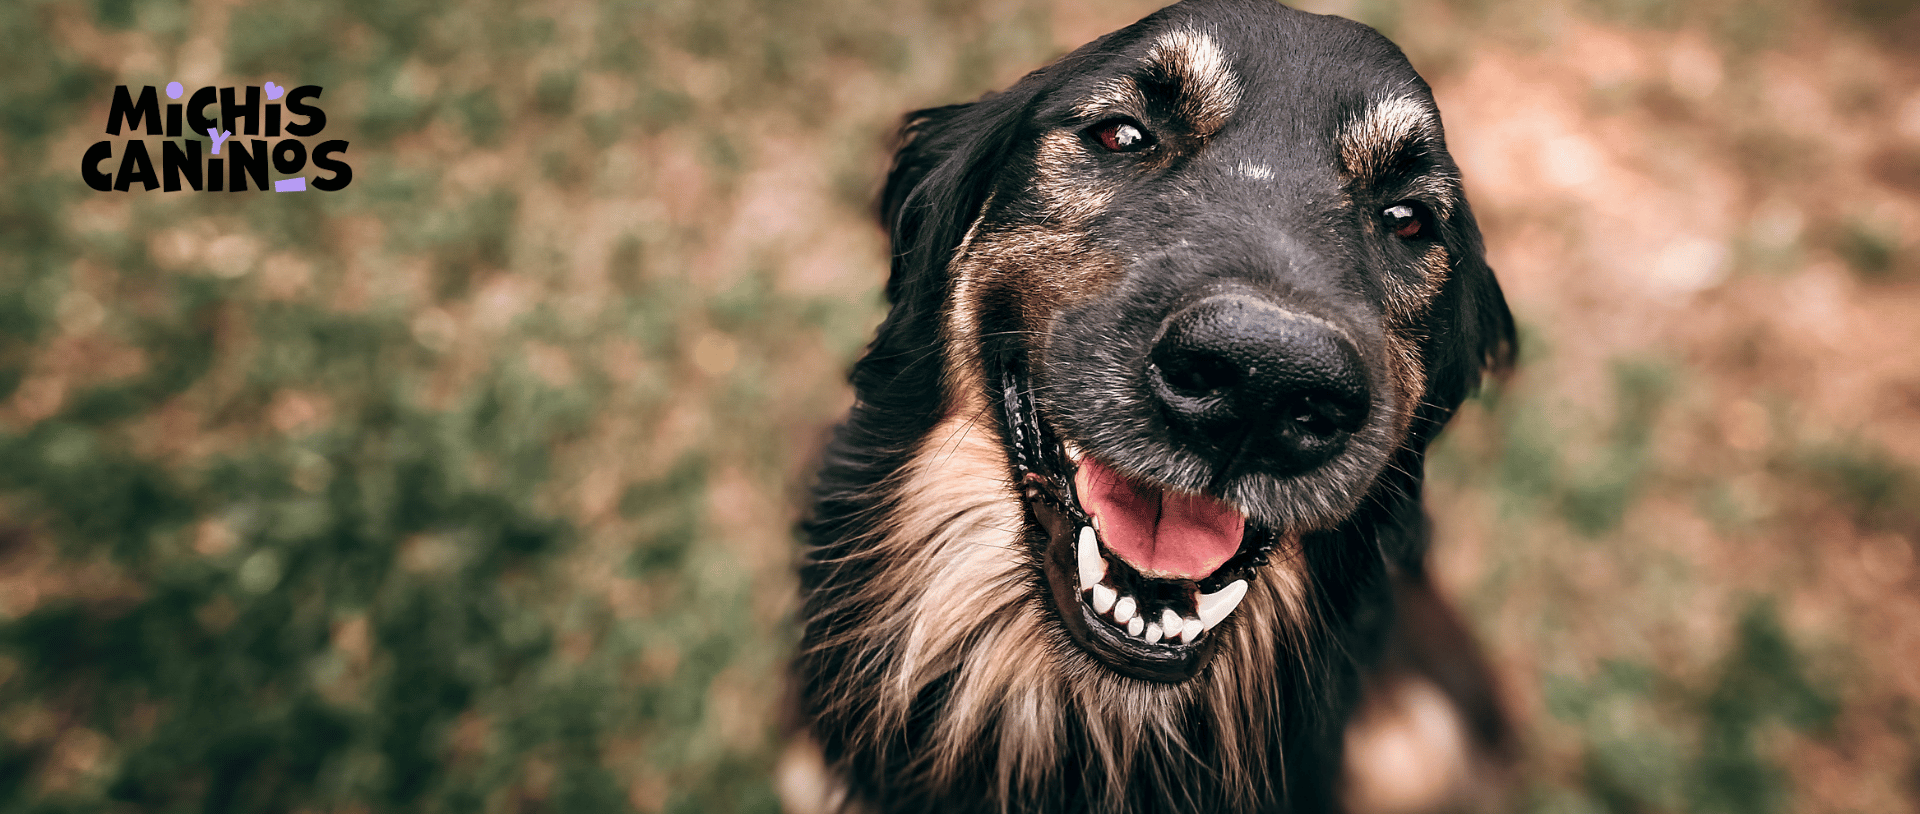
218, 139
275, 91
174, 90
291, 185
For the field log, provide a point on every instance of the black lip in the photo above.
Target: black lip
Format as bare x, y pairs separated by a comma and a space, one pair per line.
1041, 468
1166, 663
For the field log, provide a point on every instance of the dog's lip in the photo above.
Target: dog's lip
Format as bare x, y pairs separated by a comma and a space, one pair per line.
1044, 467
1107, 605
1166, 661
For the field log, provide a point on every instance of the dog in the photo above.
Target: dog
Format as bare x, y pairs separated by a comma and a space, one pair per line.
1126, 515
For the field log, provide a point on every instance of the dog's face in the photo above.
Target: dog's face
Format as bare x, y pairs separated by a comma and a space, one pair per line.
1211, 277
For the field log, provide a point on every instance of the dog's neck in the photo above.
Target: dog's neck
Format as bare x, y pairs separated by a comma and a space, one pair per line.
930, 664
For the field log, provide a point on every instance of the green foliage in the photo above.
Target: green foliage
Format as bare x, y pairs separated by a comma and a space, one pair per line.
1881, 491
1656, 743
1868, 250
1592, 494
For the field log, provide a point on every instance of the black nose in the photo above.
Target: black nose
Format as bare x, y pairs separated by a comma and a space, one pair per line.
1239, 376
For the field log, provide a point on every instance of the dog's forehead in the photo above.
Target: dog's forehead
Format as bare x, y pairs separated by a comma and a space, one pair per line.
1258, 65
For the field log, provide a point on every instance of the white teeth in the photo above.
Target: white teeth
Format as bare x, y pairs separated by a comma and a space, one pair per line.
1125, 610
1092, 567
1073, 453
1190, 631
1215, 606
1103, 597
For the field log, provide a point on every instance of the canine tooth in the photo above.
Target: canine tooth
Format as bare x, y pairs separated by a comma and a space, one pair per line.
1135, 626
1170, 622
1123, 611
1215, 606
1191, 630
1073, 453
1153, 633
1103, 597
1093, 568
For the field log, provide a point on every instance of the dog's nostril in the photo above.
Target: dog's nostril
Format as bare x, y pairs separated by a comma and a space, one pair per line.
1327, 414
1195, 375
1235, 372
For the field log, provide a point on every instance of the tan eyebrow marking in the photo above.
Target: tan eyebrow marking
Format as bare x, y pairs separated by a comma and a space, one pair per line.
1370, 143
1118, 94
1209, 90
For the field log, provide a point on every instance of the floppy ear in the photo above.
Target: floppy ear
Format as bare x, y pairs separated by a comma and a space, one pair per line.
1427, 634
943, 174
1471, 336
1472, 332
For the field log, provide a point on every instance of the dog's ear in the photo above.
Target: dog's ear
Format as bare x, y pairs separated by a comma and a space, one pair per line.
927, 138
1492, 342
1473, 331
943, 174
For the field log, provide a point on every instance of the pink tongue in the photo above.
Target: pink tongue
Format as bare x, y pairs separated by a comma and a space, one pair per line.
1163, 535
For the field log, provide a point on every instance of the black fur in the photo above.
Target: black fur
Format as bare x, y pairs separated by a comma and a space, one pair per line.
1306, 237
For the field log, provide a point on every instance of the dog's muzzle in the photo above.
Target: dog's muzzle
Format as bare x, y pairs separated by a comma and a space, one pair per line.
1144, 571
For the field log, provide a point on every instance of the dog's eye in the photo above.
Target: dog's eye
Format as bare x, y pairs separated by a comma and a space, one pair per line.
1121, 136
1407, 220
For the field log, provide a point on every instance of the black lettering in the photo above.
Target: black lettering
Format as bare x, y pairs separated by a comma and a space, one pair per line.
136, 166
230, 112
174, 161
296, 104
90, 166
246, 163
196, 103
342, 174
273, 120
289, 165
126, 110
214, 166
173, 121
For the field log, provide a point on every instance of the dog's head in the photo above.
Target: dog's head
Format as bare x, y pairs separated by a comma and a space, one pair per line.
1214, 281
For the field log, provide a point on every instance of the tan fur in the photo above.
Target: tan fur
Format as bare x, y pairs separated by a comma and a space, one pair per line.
1369, 143
955, 600
1406, 303
1070, 200
1050, 264
1209, 90
806, 785
1407, 751
1118, 95
1041, 268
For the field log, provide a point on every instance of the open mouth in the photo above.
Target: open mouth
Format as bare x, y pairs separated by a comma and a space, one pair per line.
1144, 578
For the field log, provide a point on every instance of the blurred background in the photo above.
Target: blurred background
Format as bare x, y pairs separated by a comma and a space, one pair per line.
471, 487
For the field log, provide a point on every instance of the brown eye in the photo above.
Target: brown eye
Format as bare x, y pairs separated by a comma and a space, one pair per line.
1121, 136
1407, 220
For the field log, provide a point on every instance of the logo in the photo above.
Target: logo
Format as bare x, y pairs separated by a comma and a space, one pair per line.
233, 164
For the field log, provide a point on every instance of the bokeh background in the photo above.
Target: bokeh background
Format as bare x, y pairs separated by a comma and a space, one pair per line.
471, 487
